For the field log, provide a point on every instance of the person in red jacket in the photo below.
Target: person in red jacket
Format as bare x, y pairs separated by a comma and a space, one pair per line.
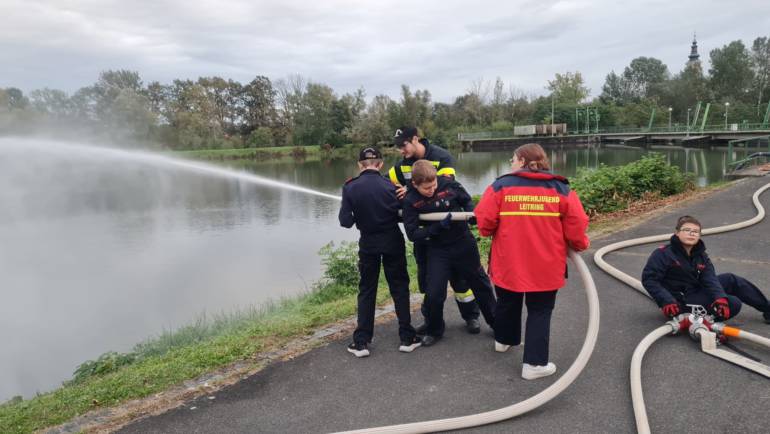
533, 218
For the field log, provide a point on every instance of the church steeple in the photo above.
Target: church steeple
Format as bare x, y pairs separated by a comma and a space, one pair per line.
694, 56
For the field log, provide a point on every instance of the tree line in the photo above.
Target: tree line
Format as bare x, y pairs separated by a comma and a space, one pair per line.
213, 112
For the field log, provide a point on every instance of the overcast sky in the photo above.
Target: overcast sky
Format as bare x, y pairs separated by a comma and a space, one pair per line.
440, 45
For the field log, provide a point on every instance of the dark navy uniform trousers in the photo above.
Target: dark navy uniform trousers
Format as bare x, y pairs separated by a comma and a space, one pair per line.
508, 322
468, 309
462, 258
388, 249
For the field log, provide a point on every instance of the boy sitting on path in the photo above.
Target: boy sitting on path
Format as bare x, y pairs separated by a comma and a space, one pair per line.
451, 246
680, 273
369, 201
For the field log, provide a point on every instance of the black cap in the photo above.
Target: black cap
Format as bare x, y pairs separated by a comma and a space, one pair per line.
404, 134
369, 154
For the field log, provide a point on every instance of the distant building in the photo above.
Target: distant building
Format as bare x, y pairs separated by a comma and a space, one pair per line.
694, 56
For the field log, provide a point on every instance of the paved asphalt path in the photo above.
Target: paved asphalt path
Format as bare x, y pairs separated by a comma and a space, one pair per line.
685, 390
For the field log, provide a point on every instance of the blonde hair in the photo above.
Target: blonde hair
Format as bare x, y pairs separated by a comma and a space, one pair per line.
423, 171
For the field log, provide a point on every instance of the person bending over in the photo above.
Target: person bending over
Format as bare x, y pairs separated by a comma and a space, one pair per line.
450, 245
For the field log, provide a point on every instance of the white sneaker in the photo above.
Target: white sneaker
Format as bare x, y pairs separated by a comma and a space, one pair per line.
358, 350
409, 346
501, 348
532, 372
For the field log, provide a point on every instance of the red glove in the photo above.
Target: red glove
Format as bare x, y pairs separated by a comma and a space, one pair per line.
721, 308
671, 310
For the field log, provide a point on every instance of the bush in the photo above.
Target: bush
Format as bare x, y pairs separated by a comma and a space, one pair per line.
260, 138
608, 189
341, 273
106, 363
340, 263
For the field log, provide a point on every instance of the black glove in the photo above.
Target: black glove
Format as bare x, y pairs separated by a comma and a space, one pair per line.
472, 221
446, 221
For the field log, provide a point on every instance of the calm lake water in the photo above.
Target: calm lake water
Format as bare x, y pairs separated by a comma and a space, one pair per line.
97, 254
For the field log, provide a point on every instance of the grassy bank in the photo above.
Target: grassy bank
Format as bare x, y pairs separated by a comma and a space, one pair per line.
159, 363
170, 359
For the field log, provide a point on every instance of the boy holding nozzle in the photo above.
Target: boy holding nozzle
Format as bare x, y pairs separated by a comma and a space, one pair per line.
450, 245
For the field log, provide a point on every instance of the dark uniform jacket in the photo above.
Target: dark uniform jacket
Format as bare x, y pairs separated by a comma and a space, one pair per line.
670, 274
449, 196
401, 173
369, 201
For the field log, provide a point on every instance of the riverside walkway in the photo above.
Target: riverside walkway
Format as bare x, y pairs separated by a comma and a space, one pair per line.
685, 390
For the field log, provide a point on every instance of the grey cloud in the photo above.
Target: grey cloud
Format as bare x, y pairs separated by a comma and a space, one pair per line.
436, 45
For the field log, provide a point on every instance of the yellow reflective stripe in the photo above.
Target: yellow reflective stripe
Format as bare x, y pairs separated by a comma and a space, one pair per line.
446, 171
435, 163
406, 169
541, 214
465, 297
392, 175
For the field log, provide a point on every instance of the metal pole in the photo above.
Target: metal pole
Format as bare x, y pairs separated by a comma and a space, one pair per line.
669, 118
688, 121
727, 107
596, 112
552, 115
577, 121
588, 124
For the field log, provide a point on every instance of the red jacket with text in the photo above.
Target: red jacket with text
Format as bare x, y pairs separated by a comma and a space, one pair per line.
533, 217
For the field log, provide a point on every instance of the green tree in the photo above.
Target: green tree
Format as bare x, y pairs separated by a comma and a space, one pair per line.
258, 99
15, 99
643, 76
568, 88
373, 126
760, 62
685, 90
615, 90
312, 123
53, 102
731, 73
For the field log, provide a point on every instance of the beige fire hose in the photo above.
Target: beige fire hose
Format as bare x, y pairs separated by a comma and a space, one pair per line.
640, 413
533, 402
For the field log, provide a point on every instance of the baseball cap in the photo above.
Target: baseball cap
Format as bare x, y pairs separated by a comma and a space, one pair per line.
404, 134
369, 154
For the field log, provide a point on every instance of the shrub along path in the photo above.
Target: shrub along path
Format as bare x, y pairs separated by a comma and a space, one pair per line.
686, 391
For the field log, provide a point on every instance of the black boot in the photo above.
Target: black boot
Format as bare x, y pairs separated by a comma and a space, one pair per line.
473, 326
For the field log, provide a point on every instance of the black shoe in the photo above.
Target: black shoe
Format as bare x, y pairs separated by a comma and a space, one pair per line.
421, 329
766, 315
410, 345
429, 340
473, 326
358, 350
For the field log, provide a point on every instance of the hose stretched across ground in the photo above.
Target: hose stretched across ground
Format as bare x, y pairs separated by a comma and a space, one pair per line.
531, 403
637, 397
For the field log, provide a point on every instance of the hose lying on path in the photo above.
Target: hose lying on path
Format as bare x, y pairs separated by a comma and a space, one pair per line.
637, 397
531, 403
